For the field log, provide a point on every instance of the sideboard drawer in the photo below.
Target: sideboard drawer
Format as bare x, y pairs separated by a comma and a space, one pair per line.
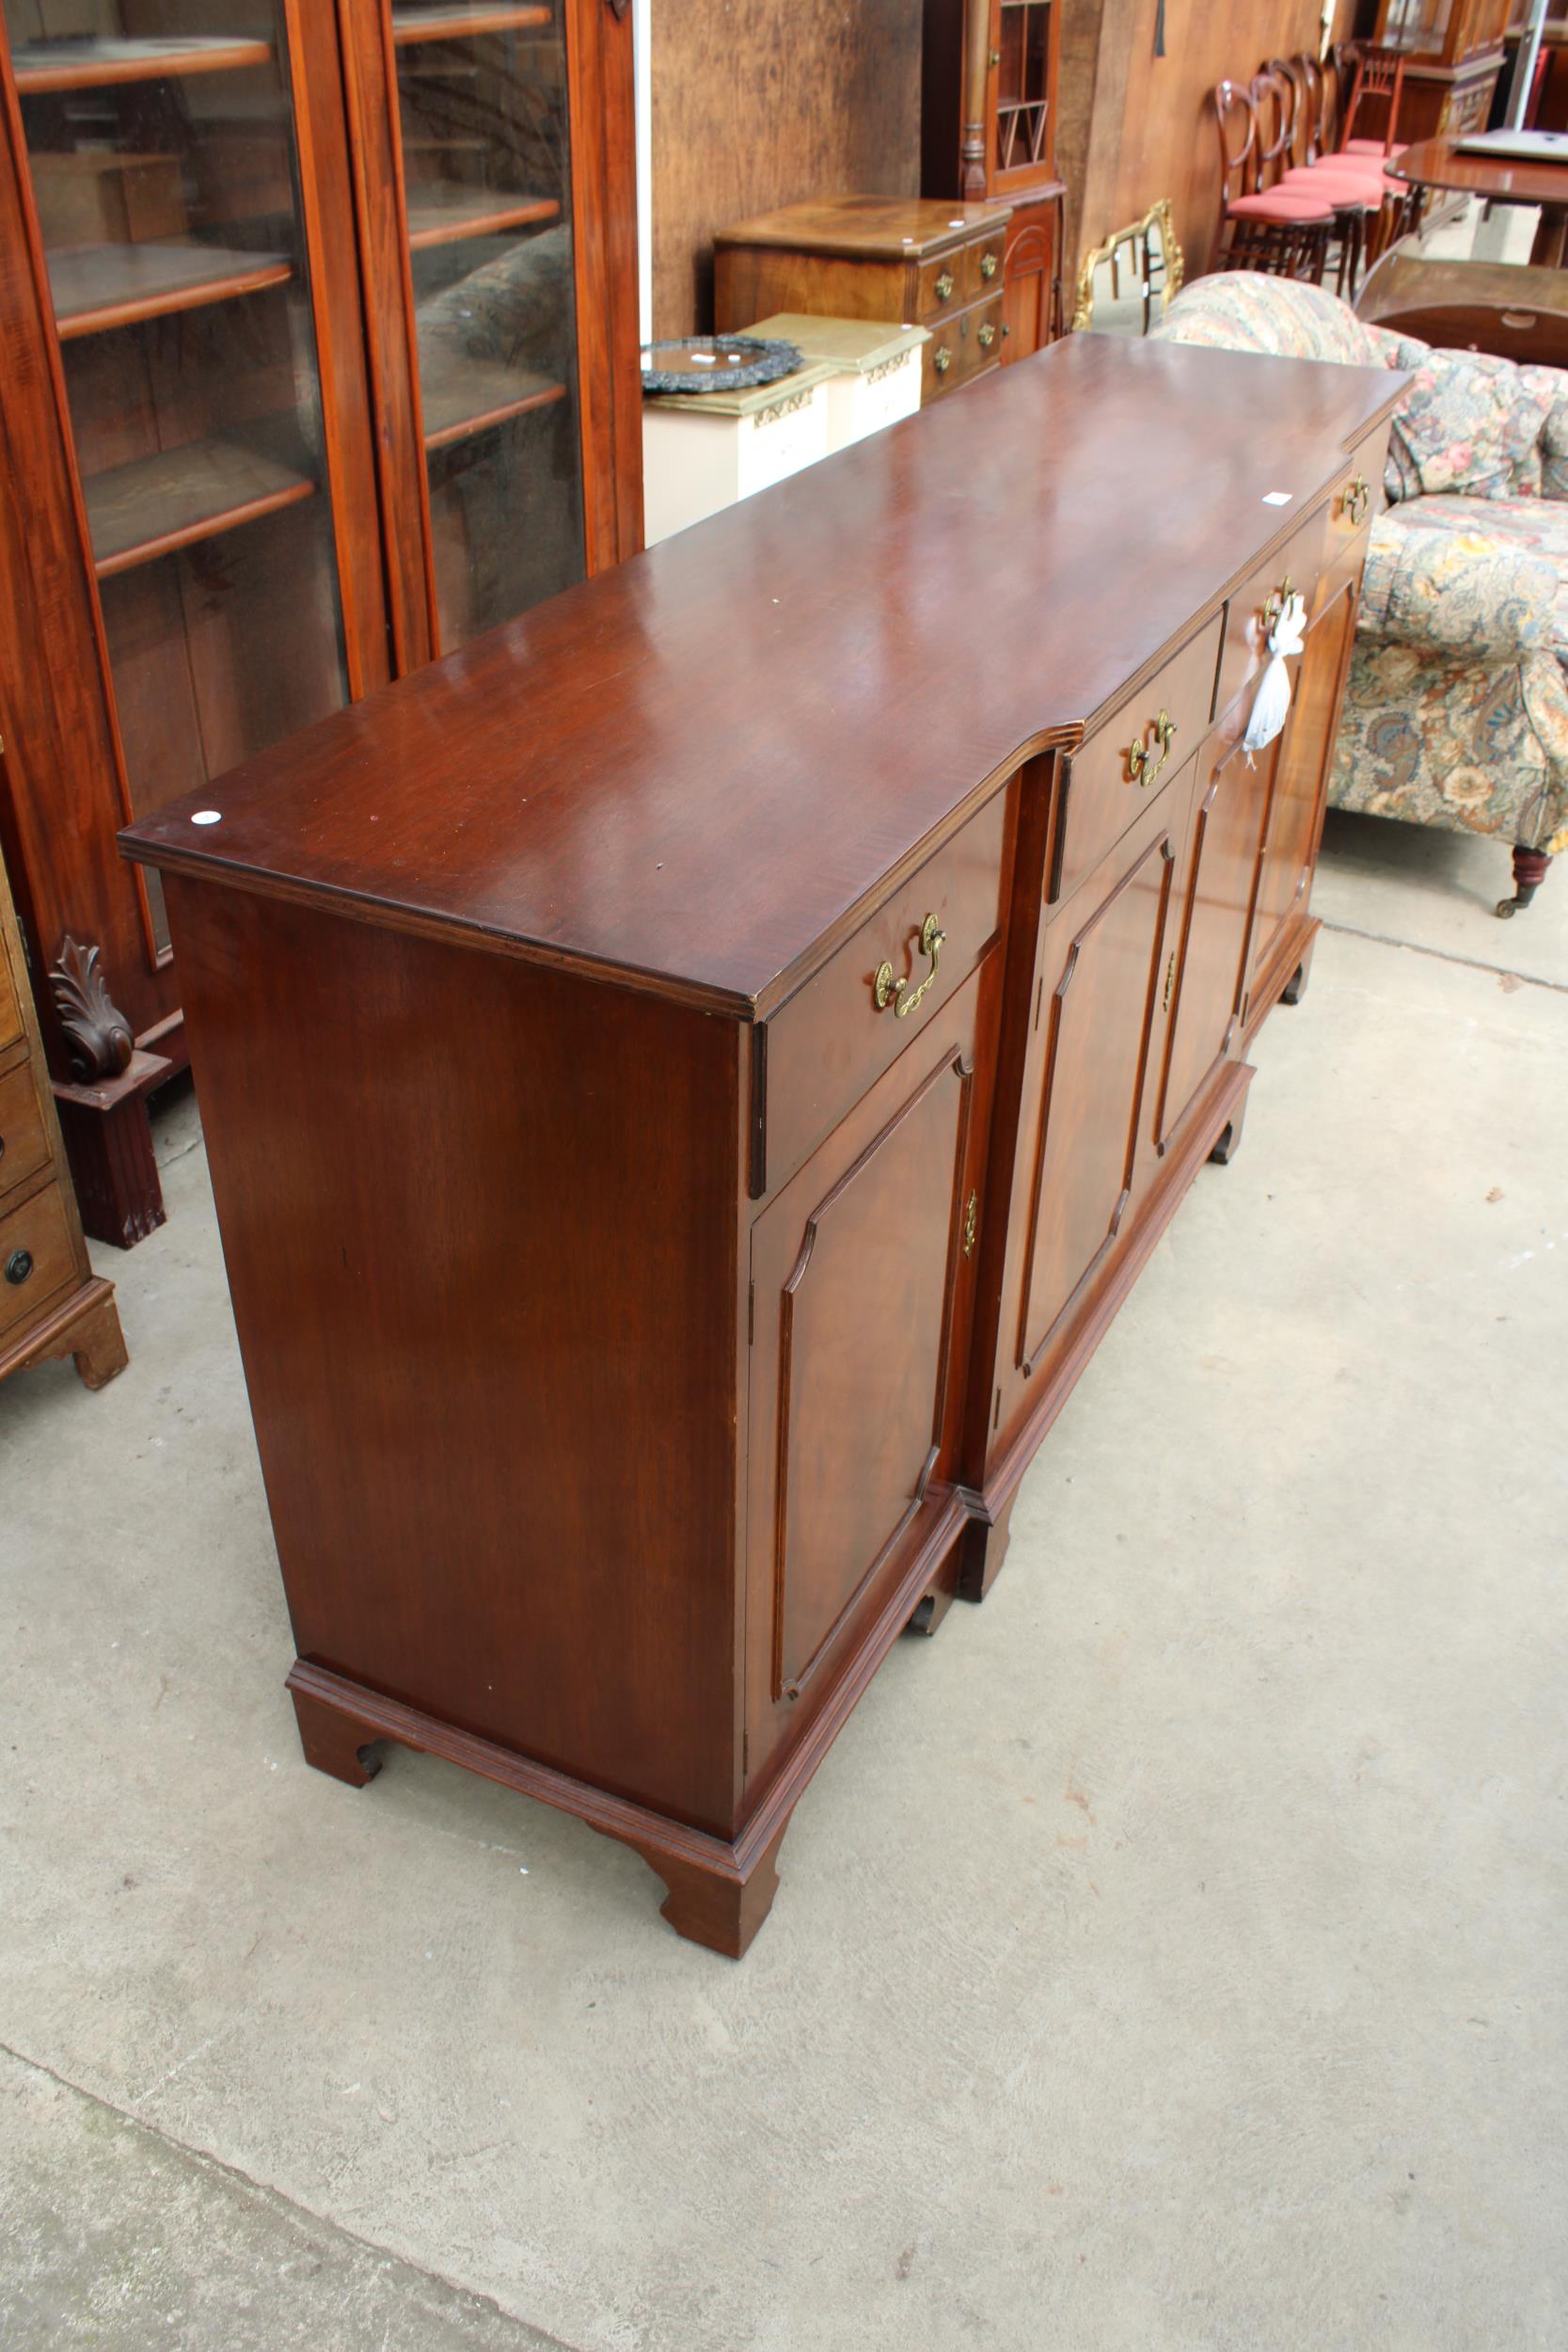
1144, 743
23, 1140
1249, 613
1360, 497
940, 287
833, 1039
36, 1256
983, 265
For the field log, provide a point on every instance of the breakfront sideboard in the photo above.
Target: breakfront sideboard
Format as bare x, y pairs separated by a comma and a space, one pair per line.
318, 358
989, 77
688, 1083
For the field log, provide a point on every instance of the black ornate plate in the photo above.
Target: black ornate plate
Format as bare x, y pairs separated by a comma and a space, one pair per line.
716, 363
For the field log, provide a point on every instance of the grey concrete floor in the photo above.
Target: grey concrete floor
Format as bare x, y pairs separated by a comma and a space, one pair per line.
1169, 1955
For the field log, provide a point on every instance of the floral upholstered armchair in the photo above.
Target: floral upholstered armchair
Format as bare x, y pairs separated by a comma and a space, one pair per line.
1456, 708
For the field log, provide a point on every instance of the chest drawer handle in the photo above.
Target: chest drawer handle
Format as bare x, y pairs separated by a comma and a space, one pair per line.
1143, 764
988, 336
942, 359
944, 285
988, 266
899, 993
18, 1267
1358, 498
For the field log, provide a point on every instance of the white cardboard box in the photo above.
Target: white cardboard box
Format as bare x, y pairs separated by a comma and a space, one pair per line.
702, 450
877, 368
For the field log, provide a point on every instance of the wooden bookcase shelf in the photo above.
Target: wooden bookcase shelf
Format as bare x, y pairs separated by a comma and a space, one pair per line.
97, 287
446, 211
463, 22
139, 512
472, 396
61, 65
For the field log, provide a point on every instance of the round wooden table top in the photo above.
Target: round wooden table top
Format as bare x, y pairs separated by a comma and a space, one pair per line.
1439, 163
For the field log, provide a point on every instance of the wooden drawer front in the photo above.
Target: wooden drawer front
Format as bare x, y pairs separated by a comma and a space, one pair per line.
36, 1257
963, 347
1249, 615
1107, 793
831, 1042
941, 287
23, 1140
1359, 499
10, 1006
983, 265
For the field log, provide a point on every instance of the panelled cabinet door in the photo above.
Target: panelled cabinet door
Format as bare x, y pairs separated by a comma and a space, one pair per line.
1306, 754
1206, 964
1097, 1000
861, 1273
196, 243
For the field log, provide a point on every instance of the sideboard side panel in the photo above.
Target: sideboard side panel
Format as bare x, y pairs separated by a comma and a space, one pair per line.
480, 1225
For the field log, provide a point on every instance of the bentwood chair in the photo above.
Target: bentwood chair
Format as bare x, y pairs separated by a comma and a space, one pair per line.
1353, 185
1285, 230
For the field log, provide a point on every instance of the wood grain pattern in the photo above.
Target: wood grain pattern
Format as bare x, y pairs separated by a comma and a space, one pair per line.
754, 107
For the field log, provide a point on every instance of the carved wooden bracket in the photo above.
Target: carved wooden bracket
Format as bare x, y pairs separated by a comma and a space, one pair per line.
100, 1039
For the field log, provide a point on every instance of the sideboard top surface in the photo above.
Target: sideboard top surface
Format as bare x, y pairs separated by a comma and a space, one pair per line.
693, 771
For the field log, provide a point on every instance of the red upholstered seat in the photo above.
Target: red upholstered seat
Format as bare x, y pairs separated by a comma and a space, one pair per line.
1286, 205
1374, 147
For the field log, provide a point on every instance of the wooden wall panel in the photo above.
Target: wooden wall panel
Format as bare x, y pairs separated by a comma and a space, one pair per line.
756, 105
1133, 127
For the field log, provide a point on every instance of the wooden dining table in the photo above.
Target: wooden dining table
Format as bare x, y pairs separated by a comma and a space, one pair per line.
1440, 164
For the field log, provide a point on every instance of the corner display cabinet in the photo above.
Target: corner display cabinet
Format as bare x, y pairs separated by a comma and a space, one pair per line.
1453, 54
988, 134
318, 358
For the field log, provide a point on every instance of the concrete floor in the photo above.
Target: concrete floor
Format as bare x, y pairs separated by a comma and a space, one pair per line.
1169, 1955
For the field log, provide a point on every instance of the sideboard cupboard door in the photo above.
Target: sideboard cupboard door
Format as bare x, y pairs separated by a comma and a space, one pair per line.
1206, 964
1097, 1000
862, 1274
1300, 784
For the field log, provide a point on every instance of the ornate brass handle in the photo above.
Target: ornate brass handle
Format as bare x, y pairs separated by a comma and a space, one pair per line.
1141, 765
899, 993
941, 360
988, 266
944, 285
1358, 498
1276, 604
988, 336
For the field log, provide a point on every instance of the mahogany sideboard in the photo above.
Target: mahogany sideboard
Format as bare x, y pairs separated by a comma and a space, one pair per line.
689, 1078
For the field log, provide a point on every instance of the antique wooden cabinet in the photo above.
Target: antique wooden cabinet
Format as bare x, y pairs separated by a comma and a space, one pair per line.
1453, 53
689, 1081
987, 134
318, 357
875, 256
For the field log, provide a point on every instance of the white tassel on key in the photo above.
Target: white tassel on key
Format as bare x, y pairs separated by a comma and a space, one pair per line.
1271, 705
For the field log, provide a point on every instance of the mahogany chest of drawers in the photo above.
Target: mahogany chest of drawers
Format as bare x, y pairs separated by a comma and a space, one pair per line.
920, 263
689, 1080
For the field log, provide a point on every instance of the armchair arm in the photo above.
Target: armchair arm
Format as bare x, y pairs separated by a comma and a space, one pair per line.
1455, 591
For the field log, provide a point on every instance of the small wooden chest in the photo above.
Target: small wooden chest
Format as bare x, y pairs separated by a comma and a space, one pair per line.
876, 257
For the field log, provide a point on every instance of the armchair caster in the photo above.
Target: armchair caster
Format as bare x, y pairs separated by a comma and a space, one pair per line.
1529, 872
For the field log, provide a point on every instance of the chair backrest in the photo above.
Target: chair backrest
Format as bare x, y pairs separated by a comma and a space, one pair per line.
1314, 98
1274, 105
1237, 121
1379, 75
1287, 69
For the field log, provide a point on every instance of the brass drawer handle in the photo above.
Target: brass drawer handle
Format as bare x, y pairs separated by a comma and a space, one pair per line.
1141, 765
1358, 498
988, 336
988, 266
943, 286
899, 993
1274, 605
941, 360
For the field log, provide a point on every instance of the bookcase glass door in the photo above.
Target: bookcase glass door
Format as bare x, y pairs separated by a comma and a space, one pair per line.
1024, 92
161, 148
486, 171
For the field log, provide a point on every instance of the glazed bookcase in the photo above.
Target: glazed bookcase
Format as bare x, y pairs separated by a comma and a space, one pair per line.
318, 358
